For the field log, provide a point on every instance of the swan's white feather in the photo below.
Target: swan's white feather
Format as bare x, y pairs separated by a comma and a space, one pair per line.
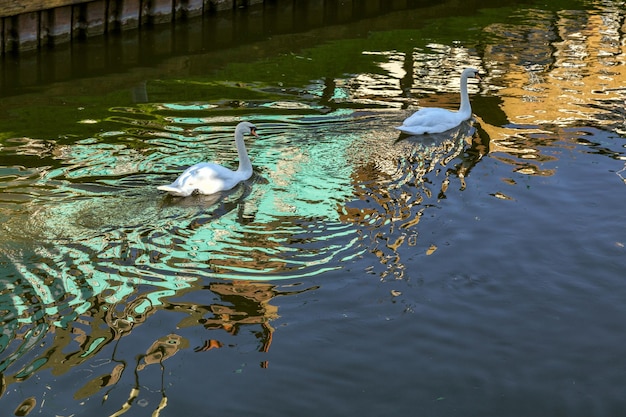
437, 120
210, 178
204, 178
431, 120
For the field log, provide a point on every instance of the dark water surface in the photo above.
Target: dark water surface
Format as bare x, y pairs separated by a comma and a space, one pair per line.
474, 273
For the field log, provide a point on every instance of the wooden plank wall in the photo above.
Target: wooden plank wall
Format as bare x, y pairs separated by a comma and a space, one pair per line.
29, 25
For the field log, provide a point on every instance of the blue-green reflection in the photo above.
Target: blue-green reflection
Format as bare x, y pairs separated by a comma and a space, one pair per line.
104, 232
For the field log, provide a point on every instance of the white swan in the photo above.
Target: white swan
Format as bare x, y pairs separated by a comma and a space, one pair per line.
437, 120
211, 178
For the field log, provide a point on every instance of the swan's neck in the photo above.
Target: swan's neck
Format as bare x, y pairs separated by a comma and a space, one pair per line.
466, 108
244, 160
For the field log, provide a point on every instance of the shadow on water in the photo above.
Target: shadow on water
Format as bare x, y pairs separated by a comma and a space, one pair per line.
215, 40
118, 299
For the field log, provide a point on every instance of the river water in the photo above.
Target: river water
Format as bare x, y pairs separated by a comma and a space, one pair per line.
358, 272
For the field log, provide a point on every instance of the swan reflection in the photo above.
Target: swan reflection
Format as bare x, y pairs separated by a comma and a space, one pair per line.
400, 188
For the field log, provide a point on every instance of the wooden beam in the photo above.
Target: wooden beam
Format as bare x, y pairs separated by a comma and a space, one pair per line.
15, 7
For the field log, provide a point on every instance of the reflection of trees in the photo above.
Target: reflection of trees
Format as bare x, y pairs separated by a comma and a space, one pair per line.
86, 336
162, 349
398, 183
79, 341
518, 147
240, 308
249, 306
563, 69
242, 305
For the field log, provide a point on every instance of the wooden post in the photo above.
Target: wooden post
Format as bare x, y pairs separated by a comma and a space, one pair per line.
78, 19
2, 36
95, 18
158, 11
6, 35
220, 5
24, 34
188, 8
56, 25
128, 13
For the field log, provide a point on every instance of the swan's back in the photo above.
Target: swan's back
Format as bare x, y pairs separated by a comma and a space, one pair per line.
430, 116
204, 178
430, 120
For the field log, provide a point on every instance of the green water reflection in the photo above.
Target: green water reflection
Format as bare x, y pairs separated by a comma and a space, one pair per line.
92, 251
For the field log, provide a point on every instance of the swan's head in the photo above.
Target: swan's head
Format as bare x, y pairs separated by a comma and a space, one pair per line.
471, 73
246, 128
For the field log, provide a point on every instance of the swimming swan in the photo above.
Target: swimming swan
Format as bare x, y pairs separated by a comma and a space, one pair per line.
211, 178
437, 120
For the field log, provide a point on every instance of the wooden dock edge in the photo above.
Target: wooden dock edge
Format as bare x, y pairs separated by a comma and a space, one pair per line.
31, 25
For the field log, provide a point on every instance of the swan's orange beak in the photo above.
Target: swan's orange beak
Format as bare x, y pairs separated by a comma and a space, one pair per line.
253, 132
477, 76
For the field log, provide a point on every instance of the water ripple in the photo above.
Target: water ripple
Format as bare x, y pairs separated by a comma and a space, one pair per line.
106, 237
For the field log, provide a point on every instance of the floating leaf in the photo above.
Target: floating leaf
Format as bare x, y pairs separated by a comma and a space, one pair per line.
26, 406
501, 196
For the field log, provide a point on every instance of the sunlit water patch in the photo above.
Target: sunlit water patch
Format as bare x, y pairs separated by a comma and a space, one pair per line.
93, 208
99, 207
329, 186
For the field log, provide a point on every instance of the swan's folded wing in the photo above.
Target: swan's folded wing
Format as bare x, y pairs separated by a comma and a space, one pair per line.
190, 180
429, 120
429, 116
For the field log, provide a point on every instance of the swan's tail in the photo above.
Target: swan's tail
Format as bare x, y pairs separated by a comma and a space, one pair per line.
406, 129
173, 190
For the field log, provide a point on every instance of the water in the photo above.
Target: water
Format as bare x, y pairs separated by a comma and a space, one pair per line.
357, 272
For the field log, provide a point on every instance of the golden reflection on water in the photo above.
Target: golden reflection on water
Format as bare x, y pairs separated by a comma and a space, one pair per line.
567, 69
244, 304
582, 66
